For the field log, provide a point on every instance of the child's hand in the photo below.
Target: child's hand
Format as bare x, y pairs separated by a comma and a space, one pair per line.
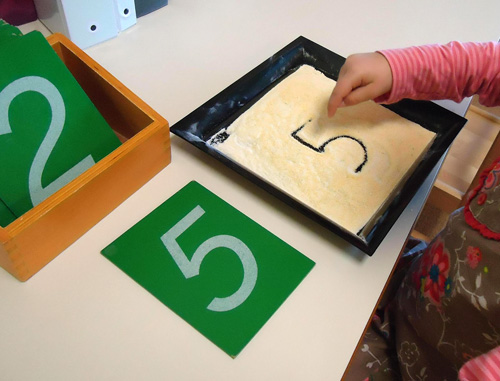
363, 76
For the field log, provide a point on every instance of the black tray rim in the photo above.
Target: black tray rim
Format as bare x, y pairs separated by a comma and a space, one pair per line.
416, 111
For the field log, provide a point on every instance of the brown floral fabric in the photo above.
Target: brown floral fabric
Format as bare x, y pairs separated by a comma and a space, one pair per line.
446, 309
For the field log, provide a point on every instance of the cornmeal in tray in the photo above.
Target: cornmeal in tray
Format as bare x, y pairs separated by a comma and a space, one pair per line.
346, 168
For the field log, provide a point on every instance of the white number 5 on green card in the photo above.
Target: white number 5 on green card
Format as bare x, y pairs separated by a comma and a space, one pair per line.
216, 268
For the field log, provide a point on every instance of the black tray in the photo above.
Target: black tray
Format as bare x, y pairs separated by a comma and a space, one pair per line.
220, 111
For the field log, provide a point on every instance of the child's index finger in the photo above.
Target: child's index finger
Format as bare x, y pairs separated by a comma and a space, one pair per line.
340, 91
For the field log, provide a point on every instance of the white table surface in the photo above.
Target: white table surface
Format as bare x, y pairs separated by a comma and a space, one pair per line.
81, 318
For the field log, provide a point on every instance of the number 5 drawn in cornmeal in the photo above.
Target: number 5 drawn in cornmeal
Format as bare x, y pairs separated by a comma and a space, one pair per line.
321, 147
37, 192
191, 268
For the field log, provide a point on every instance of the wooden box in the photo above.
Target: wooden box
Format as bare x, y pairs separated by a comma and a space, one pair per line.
34, 239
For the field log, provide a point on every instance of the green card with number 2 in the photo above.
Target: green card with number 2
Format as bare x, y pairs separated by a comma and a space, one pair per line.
50, 132
216, 268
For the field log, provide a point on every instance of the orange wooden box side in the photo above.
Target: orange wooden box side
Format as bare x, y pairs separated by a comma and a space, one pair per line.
37, 237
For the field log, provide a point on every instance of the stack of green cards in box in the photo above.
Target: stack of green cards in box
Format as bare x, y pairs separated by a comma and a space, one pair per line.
50, 131
212, 265
8, 31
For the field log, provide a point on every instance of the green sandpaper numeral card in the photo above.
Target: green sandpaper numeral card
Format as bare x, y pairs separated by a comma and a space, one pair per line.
50, 131
216, 268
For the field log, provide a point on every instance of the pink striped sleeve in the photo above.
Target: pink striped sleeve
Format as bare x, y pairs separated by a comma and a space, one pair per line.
483, 368
453, 71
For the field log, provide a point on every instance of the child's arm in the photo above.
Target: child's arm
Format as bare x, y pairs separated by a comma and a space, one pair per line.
483, 368
453, 71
